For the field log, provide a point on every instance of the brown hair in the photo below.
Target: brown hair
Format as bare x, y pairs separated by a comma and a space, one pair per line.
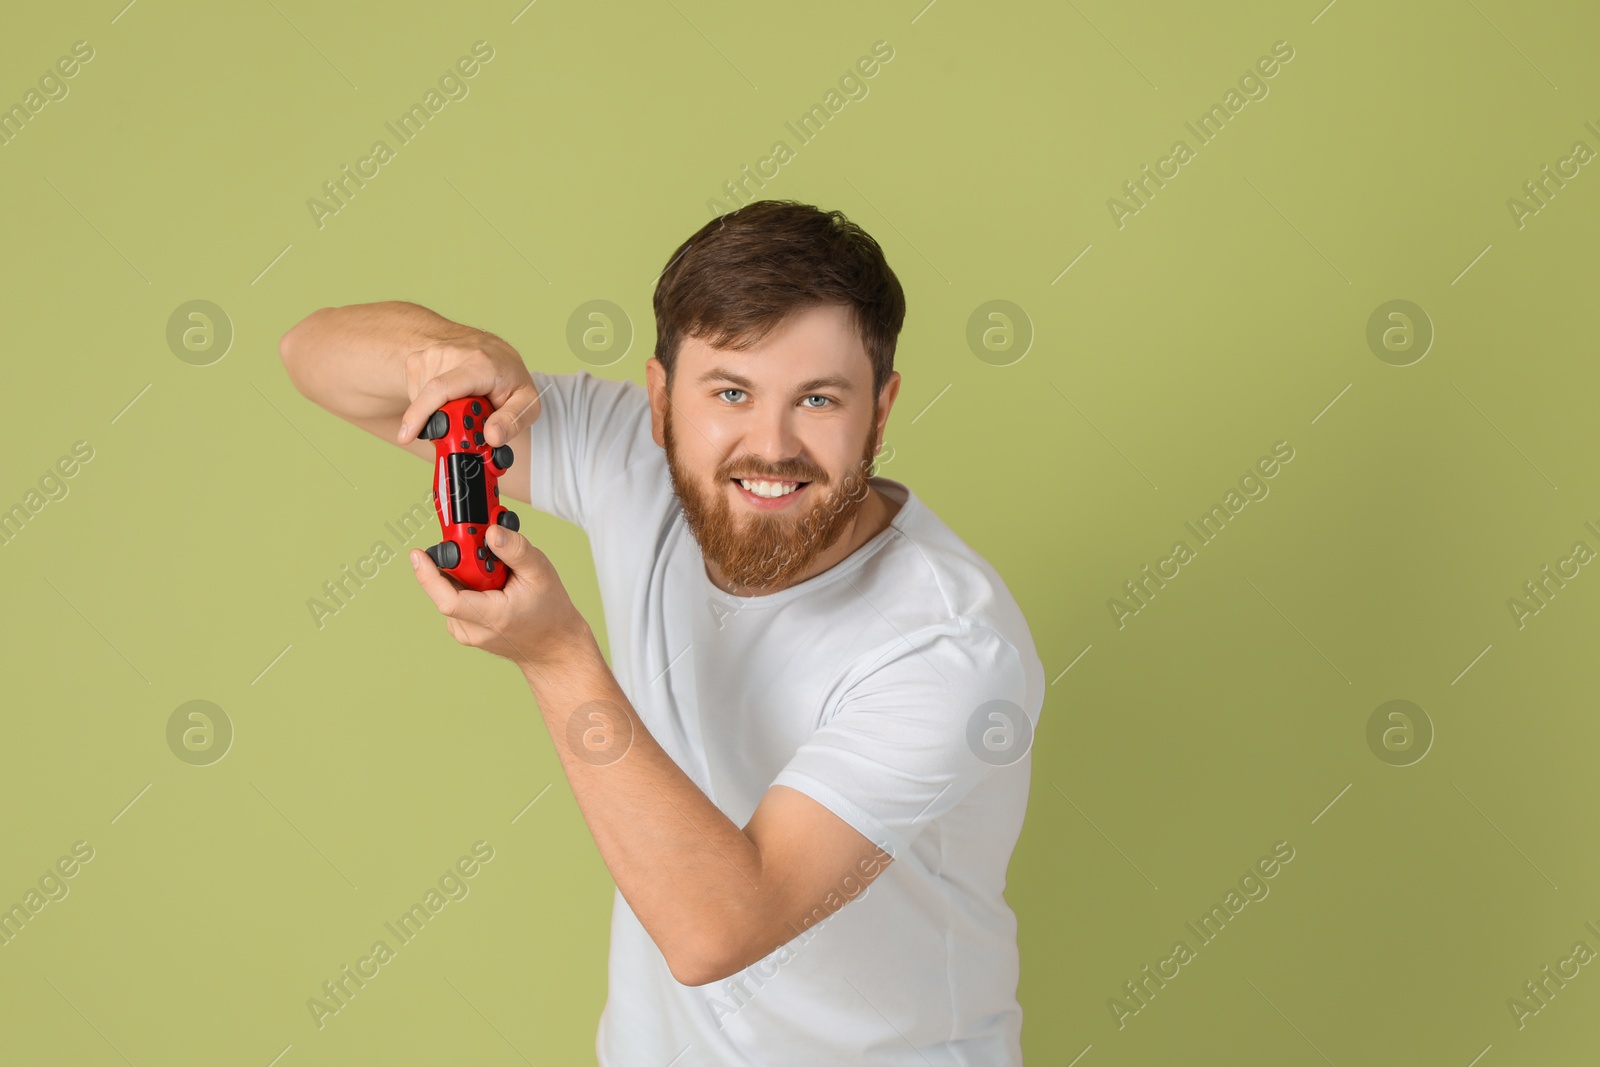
744, 273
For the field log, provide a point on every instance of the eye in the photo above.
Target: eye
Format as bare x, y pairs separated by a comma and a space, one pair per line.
819, 396
730, 389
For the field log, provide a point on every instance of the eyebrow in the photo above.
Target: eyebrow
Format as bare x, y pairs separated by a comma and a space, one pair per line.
721, 374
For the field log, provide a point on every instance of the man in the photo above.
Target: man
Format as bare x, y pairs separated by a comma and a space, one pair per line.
815, 688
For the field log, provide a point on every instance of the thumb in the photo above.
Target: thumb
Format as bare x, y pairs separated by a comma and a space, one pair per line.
512, 418
515, 550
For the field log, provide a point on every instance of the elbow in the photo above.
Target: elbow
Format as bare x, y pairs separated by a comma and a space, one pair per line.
290, 349
697, 972
288, 364
287, 347
706, 964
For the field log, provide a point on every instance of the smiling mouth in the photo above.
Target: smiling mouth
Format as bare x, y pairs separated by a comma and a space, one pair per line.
769, 488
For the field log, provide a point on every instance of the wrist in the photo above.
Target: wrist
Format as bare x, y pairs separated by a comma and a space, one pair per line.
564, 659
448, 334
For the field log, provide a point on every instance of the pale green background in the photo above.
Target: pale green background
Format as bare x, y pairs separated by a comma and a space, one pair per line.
1226, 316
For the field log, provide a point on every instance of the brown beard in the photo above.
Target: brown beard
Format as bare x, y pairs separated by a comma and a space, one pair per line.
768, 550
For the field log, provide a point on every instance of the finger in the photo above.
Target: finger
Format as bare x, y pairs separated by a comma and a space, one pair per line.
469, 379
459, 630
413, 376
514, 550
476, 625
513, 416
443, 590
419, 368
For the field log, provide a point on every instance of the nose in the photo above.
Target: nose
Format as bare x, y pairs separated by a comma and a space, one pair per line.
774, 444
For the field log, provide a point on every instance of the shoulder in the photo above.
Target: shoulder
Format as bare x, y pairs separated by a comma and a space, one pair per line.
931, 583
602, 424
942, 626
591, 398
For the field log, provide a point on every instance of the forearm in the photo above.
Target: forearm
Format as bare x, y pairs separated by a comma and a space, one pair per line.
351, 360
689, 873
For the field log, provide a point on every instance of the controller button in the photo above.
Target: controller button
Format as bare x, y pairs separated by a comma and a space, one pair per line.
477, 437
509, 520
437, 426
466, 420
483, 553
445, 554
488, 565
472, 530
464, 445
477, 408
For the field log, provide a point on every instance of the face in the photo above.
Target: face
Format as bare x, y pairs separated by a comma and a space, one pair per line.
798, 408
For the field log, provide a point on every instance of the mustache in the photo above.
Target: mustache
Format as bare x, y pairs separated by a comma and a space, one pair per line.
791, 475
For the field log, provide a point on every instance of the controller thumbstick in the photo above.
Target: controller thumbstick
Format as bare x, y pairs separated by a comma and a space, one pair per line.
437, 426
509, 520
445, 555
503, 456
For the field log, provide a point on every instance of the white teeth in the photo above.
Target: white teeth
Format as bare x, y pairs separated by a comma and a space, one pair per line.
771, 490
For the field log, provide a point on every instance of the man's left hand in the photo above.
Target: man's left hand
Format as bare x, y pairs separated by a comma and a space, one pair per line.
531, 622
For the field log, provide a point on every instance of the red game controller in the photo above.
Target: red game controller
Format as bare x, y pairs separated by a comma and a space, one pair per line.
466, 492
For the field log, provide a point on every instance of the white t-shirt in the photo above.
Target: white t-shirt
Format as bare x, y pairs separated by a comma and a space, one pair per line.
866, 687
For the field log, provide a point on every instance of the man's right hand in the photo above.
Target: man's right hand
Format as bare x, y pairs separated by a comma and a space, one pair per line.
387, 366
470, 363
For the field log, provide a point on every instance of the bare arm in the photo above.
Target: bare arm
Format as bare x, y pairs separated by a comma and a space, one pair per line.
714, 897
378, 365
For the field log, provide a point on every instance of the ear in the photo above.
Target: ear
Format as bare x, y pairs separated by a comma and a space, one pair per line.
656, 377
891, 389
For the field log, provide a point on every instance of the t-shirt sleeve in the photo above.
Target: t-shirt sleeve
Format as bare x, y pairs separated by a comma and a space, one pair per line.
588, 432
943, 711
